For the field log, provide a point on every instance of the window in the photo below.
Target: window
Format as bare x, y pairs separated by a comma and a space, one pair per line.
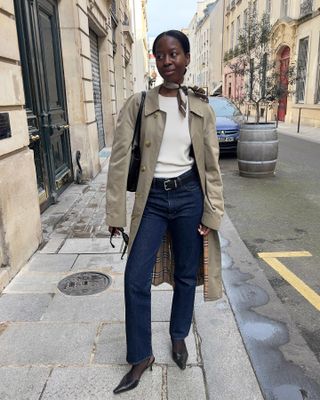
302, 69
245, 17
254, 7
114, 41
114, 7
268, 7
284, 8
228, 42
237, 30
232, 36
317, 97
305, 7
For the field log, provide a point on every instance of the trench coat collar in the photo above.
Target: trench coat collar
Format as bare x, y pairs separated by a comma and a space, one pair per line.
152, 103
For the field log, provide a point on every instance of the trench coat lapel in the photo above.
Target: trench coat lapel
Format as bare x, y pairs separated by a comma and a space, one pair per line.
152, 130
152, 101
194, 113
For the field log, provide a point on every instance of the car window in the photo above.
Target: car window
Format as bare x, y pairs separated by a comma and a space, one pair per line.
223, 108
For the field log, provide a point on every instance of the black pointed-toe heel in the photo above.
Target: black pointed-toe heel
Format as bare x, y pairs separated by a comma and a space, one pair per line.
128, 382
180, 358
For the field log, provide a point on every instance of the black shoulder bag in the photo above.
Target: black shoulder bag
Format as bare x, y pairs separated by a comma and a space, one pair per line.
135, 160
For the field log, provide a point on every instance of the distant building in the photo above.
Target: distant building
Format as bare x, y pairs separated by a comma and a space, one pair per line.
205, 35
153, 75
295, 40
140, 56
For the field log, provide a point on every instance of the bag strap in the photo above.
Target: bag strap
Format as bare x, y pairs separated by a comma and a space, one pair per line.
137, 128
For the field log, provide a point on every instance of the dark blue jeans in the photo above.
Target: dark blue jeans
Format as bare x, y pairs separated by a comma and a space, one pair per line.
179, 211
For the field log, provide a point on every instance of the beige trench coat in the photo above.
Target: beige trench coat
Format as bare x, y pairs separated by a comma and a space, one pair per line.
206, 151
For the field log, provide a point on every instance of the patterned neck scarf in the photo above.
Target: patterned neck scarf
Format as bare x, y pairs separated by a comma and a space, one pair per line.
181, 95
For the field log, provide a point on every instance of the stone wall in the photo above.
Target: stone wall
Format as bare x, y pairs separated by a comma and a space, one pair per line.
20, 228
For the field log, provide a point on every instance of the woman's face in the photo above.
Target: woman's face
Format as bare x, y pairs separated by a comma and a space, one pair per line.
171, 59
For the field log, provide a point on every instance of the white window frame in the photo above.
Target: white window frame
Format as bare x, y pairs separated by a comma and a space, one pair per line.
302, 58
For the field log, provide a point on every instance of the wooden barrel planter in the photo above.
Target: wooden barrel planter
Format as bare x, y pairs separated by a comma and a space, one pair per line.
257, 150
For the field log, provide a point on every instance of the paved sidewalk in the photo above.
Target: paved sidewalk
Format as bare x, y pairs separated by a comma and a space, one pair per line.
305, 132
54, 346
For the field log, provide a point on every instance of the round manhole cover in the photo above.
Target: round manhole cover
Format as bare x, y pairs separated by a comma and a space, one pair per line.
84, 283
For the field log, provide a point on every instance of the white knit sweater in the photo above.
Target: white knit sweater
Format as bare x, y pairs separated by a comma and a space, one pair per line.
174, 158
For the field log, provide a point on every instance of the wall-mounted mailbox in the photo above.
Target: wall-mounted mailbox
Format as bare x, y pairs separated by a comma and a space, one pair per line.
5, 130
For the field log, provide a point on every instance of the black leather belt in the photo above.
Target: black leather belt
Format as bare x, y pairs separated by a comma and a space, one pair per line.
173, 183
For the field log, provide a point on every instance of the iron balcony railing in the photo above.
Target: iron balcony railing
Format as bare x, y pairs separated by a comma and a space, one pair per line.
306, 7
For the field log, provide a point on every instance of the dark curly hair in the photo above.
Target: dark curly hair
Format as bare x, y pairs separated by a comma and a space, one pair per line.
180, 36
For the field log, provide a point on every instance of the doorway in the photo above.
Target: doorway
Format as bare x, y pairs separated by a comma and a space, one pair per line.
42, 70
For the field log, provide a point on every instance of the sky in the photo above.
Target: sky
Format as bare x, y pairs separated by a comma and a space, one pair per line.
169, 14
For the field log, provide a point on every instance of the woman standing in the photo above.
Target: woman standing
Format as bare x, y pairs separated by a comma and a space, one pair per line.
178, 202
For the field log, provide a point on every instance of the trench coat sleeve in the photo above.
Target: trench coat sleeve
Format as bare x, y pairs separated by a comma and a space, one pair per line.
119, 164
213, 199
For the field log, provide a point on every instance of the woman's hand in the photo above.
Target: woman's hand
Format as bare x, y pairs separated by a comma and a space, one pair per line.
203, 230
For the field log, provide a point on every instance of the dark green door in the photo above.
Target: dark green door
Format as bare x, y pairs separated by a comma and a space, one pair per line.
39, 41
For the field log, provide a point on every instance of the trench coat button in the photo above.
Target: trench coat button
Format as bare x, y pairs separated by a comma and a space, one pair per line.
143, 168
148, 143
155, 115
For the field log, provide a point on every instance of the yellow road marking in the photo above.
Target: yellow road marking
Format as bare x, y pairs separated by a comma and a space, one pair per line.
290, 277
277, 254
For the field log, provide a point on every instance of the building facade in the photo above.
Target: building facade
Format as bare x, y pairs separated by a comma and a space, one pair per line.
140, 45
154, 78
216, 18
205, 35
295, 40
65, 71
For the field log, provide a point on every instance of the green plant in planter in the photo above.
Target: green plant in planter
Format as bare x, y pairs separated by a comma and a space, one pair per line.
261, 73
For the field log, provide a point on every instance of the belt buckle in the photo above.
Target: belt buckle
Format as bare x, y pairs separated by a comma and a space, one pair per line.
167, 182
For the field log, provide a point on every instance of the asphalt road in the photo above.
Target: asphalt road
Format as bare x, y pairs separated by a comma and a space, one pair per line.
281, 214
